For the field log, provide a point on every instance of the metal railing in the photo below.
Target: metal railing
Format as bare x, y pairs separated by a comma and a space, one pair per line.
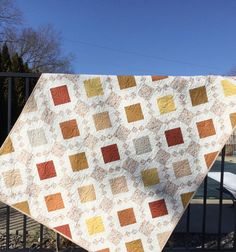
24, 223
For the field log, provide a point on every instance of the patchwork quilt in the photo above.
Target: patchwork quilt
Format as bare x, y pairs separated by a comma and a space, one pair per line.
111, 162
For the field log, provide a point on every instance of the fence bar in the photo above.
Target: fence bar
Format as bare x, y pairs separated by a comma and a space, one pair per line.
9, 104
58, 241
24, 230
8, 228
221, 197
187, 225
235, 224
41, 236
204, 213
26, 88
18, 75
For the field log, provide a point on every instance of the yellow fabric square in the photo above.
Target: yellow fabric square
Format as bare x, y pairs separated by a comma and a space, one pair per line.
87, 193
93, 87
228, 87
134, 246
95, 225
166, 104
150, 177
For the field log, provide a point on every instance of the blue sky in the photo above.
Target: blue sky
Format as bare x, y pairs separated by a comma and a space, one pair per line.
172, 37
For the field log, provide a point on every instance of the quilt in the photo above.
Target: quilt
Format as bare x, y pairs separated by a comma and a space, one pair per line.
111, 162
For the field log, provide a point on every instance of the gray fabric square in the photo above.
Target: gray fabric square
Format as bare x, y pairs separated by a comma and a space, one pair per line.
142, 145
37, 137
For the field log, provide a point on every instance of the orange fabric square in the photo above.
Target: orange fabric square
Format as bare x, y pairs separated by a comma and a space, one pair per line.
206, 128
159, 77
134, 113
134, 246
78, 161
60, 95
126, 217
210, 158
198, 95
46, 170
103, 250
54, 202
69, 129
174, 137
7, 147
126, 81
158, 208
64, 229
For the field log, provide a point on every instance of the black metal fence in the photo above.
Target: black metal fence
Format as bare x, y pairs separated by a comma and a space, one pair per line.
9, 111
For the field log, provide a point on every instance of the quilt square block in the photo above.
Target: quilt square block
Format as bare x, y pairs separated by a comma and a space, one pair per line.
102, 121
110, 153
126, 81
142, 145
166, 104
7, 147
174, 137
87, 193
232, 117
54, 202
95, 225
126, 217
12, 178
181, 168
158, 208
93, 87
60, 95
134, 113
23, 206
206, 128
69, 129
46, 170
198, 95
37, 137
118, 185
78, 161
150, 177
64, 229
134, 246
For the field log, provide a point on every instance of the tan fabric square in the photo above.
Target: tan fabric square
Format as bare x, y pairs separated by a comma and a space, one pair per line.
126, 217
118, 185
198, 95
12, 178
23, 207
186, 197
78, 161
134, 246
7, 147
87, 193
206, 128
233, 119
150, 177
181, 168
126, 81
102, 121
134, 112
54, 202
93, 87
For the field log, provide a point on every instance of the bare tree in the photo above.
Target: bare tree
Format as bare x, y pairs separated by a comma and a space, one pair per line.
40, 48
10, 16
